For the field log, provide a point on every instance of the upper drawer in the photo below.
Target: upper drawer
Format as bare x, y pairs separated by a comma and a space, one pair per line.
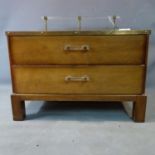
126, 49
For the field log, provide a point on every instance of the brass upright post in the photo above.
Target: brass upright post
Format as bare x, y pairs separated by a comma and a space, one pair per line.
46, 22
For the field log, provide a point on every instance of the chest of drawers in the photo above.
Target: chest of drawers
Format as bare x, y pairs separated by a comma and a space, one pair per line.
78, 66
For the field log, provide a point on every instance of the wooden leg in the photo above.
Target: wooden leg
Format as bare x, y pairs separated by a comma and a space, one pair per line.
18, 108
139, 108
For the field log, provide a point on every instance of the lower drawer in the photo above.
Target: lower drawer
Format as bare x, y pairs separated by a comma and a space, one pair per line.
78, 79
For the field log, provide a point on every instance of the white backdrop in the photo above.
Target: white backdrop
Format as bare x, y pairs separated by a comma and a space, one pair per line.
24, 15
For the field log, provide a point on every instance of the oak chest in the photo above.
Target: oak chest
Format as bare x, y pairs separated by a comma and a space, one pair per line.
79, 66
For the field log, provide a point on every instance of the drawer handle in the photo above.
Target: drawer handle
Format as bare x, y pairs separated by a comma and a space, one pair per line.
83, 78
76, 48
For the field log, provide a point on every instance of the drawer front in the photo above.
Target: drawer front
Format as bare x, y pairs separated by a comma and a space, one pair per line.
48, 50
79, 79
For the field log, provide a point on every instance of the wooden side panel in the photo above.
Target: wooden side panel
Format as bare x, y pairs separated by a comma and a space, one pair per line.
48, 50
103, 79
